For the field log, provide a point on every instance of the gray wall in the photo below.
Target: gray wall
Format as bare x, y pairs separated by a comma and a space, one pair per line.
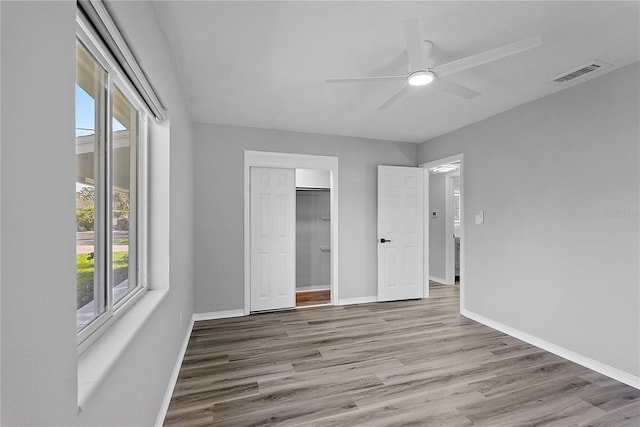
39, 352
437, 226
557, 256
219, 166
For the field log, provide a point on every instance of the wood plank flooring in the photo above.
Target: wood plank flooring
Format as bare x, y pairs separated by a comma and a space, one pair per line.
385, 364
307, 298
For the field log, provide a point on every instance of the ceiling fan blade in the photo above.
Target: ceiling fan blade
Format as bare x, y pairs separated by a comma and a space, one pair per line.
487, 56
365, 79
454, 88
418, 58
402, 92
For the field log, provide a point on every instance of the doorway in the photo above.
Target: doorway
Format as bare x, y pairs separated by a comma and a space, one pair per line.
445, 222
292, 162
313, 237
444, 236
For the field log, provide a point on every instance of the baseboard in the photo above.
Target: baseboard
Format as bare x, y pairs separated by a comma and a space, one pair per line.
304, 307
438, 279
594, 365
309, 288
218, 314
174, 377
357, 300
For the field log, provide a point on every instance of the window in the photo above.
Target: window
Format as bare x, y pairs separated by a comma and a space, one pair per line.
110, 140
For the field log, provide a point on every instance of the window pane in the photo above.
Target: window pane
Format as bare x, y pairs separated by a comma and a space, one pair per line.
124, 154
90, 96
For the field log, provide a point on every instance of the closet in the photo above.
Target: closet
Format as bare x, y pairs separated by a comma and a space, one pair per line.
313, 237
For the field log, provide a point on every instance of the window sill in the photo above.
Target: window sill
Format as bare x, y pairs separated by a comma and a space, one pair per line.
96, 361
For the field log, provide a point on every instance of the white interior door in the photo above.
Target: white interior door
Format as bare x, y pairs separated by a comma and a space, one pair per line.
273, 238
400, 232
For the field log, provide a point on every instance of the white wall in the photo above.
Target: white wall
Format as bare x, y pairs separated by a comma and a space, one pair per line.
39, 356
313, 178
437, 226
219, 205
557, 256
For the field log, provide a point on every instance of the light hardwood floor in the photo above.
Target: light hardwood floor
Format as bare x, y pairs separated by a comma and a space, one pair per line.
385, 364
308, 298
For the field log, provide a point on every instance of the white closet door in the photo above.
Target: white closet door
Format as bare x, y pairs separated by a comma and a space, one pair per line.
273, 238
400, 232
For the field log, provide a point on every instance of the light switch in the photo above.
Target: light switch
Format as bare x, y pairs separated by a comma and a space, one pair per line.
480, 217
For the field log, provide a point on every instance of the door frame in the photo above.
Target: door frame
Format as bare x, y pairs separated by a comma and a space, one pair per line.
456, 157
289, 161
450, 257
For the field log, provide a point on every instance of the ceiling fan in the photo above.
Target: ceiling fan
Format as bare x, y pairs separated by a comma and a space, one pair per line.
423, 72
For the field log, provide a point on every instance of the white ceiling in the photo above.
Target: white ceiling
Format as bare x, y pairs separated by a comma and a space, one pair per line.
264, 64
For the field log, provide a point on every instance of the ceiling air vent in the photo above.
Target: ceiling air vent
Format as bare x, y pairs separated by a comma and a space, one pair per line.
580, 72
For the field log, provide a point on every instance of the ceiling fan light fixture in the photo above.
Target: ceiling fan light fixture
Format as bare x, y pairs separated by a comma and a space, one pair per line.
420, 78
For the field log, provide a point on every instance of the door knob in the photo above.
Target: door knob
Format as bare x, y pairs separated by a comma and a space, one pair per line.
384, 241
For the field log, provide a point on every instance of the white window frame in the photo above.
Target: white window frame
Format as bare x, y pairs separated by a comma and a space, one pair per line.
92, 331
